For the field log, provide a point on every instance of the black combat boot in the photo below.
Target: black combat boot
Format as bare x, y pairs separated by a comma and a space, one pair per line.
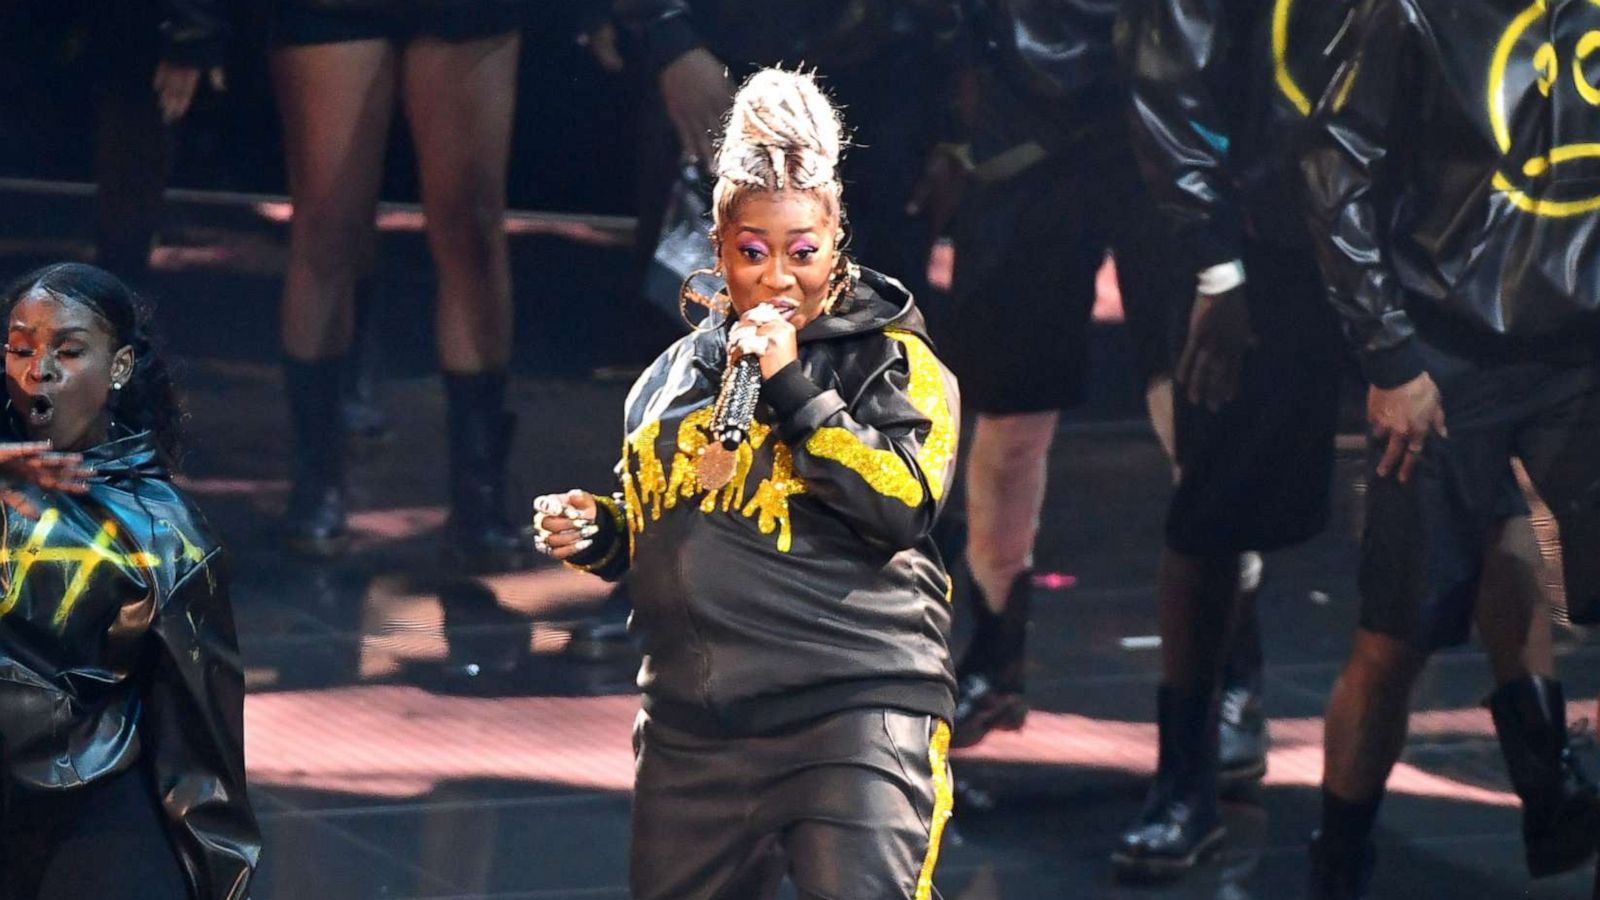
314, 524
1180, 824
1242, 739
366, 425
1340, 873
989, 678
479, 536
1560, 805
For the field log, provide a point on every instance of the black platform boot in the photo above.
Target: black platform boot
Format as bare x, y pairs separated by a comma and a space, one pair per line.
1242, 739
366, 424
1340, 873
480, 537
1180, 825
1560, 805
989, 678
314, 524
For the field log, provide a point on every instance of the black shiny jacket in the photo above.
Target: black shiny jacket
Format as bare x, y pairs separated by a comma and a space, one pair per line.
1047, 48
117, 646
810, 583
194, 32
1455, 181
1221, 94
830, 34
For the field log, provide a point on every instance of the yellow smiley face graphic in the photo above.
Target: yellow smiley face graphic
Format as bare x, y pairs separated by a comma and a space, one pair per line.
1552, 76
1287, 84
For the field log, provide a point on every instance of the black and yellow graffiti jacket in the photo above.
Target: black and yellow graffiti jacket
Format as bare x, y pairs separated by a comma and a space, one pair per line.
1221, 92
809, 584
1455, 180
117, 649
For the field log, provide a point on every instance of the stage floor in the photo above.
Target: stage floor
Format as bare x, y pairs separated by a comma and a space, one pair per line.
416, 734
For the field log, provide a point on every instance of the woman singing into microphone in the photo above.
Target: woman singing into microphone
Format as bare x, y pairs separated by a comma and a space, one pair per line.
796, 678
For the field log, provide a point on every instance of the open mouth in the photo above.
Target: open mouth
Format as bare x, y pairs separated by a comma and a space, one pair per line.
41, 410
785, 307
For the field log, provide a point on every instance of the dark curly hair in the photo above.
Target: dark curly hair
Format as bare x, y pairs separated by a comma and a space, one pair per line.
148, 401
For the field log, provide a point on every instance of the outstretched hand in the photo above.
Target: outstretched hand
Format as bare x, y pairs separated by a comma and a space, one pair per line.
35, 463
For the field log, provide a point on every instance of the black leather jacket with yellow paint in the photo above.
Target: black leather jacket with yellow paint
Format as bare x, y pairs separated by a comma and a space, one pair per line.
1221, 94
117, 649
1455, 180
810, 583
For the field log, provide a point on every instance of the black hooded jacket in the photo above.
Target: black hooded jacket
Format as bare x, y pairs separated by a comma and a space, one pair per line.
1455, 181
810, 583
117, 648
1221, 94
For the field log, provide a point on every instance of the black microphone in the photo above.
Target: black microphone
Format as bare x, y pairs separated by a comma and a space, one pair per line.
736, 402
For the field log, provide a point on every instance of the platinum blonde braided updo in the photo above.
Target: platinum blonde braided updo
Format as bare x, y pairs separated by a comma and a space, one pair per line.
783, 134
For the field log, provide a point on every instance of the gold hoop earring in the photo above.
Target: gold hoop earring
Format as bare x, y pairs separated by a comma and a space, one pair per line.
716, 303
842, 282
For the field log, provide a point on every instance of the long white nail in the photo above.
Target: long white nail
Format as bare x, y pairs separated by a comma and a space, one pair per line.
589, 531
583, 544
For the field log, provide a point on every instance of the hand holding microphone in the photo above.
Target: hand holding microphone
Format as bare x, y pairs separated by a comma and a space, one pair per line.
762, 343
763, 333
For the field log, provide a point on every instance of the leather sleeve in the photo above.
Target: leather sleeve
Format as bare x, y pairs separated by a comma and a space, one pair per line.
194, 728
1350, 168
883, 460
1177, 127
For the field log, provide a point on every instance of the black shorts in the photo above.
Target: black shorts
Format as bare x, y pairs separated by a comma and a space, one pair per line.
851, 805
1258, 474
295, 24
1424, 543
1027, 252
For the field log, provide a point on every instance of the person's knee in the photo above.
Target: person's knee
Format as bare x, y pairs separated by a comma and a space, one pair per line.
329, 240
1016, 437
466, 212
1379, 662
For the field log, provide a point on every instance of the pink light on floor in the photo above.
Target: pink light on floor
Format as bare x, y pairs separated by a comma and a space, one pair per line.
233, 486
1107, 294
1063, 739
394, 741
396, 523
398, 741
1055, 581
598, 231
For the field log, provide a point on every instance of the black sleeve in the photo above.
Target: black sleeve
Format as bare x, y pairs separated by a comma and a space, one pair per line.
663, 29
882, 462
194, 729
194, 32
1178, 131
1349, 165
